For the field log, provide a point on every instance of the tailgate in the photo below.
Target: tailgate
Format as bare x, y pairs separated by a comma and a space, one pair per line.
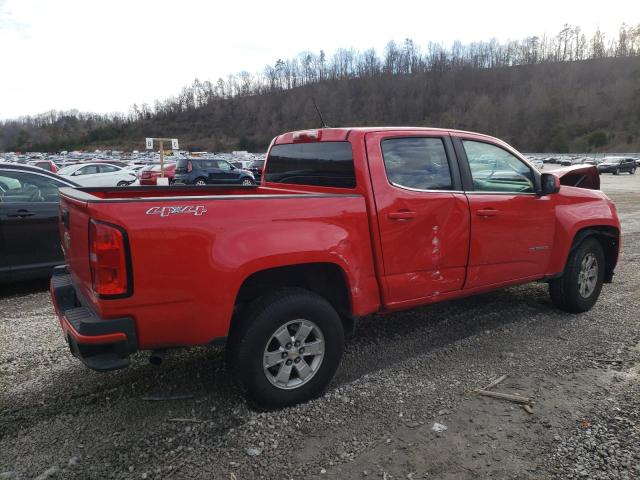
74, 235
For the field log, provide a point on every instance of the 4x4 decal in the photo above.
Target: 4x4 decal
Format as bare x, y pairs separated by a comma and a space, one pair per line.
187, 209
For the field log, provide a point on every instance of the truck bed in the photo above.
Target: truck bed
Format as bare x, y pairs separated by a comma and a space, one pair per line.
191, 248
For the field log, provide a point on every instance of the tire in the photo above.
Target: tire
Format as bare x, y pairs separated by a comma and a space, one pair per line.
566, 291
247, 182
255, 337
632, 171
616, 171
200, 181
122, 184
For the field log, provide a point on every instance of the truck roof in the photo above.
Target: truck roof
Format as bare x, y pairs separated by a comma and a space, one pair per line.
342, 133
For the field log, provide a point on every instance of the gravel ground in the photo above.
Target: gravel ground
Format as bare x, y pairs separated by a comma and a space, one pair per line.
401, 375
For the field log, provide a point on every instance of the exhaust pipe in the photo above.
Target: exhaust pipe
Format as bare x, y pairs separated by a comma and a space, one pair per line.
157, 356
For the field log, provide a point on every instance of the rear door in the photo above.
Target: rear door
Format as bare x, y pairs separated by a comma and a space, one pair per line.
512, 228
214, 175
87, 176
422, 213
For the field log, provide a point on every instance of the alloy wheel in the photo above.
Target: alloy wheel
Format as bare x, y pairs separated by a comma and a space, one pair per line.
293, 354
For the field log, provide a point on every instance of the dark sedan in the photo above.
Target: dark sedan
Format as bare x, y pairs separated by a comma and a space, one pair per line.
617, 165
29, 235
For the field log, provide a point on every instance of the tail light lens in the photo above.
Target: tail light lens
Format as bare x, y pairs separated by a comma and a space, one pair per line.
108, 257
189, 167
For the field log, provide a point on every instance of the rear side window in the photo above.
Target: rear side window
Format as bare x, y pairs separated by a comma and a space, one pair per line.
417, 162
323, 164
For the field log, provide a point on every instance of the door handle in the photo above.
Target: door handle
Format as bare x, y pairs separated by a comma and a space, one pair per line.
487, 212
21, 214
402, 216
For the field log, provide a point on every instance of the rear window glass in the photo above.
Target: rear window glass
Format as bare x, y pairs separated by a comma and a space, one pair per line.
323, 164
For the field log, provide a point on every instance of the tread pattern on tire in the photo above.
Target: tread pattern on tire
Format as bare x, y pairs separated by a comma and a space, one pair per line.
564, 290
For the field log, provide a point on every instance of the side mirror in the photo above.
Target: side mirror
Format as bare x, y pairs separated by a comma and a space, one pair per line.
549, 183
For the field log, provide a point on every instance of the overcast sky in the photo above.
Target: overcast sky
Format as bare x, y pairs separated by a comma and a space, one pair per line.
103, 56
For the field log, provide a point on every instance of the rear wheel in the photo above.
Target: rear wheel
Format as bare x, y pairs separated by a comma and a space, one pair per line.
200, 182
581, 282
287, 348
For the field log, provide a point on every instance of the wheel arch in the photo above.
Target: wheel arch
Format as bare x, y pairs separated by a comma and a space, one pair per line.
327, 279
609, 239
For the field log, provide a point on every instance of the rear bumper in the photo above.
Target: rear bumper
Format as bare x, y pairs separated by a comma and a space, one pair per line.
100, 344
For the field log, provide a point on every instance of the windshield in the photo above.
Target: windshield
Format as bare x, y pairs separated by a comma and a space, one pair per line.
612, 161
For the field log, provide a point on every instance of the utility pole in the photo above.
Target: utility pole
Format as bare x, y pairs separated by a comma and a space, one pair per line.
174, 146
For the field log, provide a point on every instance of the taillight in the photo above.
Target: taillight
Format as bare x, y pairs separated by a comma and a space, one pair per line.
189, 167
108, 260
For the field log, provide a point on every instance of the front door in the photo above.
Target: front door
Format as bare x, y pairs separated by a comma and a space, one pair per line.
512, 227
423, 216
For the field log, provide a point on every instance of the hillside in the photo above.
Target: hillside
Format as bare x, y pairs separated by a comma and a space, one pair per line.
552, 105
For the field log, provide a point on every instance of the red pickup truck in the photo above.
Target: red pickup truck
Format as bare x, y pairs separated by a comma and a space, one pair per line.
345, 223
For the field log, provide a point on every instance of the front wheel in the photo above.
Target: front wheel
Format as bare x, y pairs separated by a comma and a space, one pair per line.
287, 348
122, 184
247, 182
633, 170
581, 282
616, 171
200, 182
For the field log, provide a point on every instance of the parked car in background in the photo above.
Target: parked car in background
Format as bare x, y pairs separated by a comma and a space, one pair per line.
98, 175
45, 165
617, 165
149, 175
137, 169
536, 162
201, 171
256, 168
592, 161
29, 231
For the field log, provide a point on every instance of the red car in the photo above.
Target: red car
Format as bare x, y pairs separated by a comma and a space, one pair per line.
45, 165
348, 222
149, 175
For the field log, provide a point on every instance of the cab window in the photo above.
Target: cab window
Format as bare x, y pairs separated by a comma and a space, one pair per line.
417, 163
493, 169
